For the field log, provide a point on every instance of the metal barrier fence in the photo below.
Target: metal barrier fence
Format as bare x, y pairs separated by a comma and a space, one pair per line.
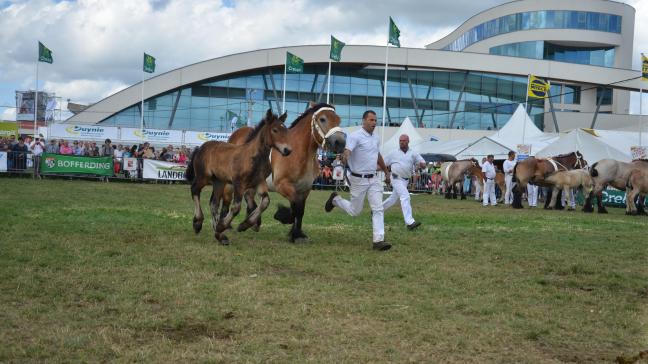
132, 169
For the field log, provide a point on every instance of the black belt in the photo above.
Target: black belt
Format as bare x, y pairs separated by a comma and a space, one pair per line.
362, 175
396, 176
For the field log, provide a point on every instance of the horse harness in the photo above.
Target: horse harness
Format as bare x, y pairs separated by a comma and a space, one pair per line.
577, 165
317, 127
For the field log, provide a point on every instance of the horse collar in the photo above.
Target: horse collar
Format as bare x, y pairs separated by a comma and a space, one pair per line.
317, 127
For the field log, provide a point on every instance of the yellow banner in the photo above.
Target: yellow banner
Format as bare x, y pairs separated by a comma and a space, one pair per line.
644, 67
538, 87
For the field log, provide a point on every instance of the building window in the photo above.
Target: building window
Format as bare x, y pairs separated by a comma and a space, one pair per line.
543, 19
595, 56
571, 95
606, 93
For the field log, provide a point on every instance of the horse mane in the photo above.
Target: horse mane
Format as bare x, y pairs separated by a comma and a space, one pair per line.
641, 160
257, 129
564, 155
309, 110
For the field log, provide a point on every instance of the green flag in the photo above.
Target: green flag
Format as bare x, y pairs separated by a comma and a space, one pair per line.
336, 49
44, 54
394, 33
294, 64
149, 63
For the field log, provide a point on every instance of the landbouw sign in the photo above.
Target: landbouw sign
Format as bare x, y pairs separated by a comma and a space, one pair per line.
70, 164
163, 170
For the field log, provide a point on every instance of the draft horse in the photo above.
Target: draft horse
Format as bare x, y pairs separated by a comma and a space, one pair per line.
611, 172
453, 175
500, 180
293, 176
535, 170
566, 180
244, 166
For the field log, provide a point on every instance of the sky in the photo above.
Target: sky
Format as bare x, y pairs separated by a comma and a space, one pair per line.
97, 45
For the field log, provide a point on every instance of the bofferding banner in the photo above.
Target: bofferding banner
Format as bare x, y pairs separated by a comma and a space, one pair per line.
199, 137
71, 164
154, 136
83, 132
3, 161
163, 170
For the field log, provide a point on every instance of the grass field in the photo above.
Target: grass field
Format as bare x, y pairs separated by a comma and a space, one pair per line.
96, 272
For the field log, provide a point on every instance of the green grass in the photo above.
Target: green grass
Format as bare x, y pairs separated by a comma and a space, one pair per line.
95, 272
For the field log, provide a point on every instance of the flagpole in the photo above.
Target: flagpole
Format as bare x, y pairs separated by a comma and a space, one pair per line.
526, 102
283, 102
36, 100
384, 110
640, 114
328, 82
142, 111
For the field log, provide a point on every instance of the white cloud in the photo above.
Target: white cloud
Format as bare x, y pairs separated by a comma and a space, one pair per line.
8, 114
98, 44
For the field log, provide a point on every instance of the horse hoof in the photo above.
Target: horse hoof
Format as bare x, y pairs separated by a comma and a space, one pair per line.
243, 226
588, 209
549, 208
256, 227
602, 211
571, 209
222, 239
197, 227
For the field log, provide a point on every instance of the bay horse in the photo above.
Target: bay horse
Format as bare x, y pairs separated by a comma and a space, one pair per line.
499, 180
566, 180
453, 174
293, 176
244, 166
611, 172
535, 170
637, 186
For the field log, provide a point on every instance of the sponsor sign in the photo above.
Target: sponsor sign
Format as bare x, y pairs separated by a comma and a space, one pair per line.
8, 128
538, 87
3, 161
338, 173
163, 170
83, 132
639, 152
130, 164
611, 197
70, 164
156, 136
199, 137
523, 151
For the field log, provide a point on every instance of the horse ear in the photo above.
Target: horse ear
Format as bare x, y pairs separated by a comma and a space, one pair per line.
269, 115
311, 104
283, 117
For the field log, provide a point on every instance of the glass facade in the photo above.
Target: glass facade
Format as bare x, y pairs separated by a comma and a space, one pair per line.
429, 98
544, 19
595, 56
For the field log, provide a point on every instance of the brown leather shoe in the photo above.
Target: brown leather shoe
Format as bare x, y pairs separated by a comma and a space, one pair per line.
329, 203
381, 246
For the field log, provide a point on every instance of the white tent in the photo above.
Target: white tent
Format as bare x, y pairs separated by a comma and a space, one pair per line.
593, 148
406, 127
483, 147
451, 147
520, 129
620, 140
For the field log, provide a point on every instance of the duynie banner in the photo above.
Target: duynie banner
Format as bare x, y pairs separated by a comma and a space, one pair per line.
70, 164
163, 170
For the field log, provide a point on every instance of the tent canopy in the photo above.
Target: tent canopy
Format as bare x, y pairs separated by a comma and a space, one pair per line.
520, 129
408, 128
483, 147
593, 148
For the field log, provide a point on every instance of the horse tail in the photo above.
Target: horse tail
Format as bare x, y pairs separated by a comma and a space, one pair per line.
593, 171
514, 173
190, 173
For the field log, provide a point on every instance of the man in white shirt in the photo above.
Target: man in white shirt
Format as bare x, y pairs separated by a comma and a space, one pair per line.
37, 147
489, 181
362, 156
400, 163
509, 165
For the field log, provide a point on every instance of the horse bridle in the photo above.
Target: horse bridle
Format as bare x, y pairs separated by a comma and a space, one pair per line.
317, 127
579, 158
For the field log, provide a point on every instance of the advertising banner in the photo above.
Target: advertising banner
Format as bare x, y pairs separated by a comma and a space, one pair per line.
25, 105
83, 132
3, 161
638, 152
70, 164
8, 128
523, 151
163, 170
199, 137
130, 164
154, 136
611, 197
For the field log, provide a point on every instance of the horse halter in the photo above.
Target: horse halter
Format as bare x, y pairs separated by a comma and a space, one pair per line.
579, 159
317, 127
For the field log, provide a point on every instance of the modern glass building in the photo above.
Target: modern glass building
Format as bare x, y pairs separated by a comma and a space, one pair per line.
474, 78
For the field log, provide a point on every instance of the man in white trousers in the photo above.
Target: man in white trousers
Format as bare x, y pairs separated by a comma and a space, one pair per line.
362, 156
532, 195
400, 162
508, 167
489, 181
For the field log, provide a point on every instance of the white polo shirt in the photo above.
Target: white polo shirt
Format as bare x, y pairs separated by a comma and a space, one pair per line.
508, 166
364, 151
489, 170
402, 162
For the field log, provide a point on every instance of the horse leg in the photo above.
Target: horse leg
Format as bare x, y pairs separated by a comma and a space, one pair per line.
255, 215
631, 209
640, 205
550, 199
461, 188
296, 232
198, 218
214, 203
454, 191
599, 203
251, 206
517, 196
226, 199
559, 205
587, 206
226, 222
447, 189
